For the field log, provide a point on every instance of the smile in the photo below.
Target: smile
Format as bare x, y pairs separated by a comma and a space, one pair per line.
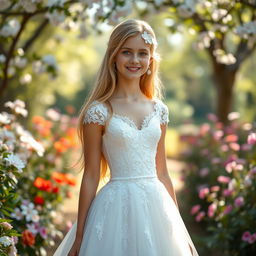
133, 69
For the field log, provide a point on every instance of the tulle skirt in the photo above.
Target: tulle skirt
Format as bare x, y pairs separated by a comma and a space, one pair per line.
132, 217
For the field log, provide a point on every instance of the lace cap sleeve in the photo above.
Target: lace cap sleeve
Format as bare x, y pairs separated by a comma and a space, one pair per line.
96, 113
164, 113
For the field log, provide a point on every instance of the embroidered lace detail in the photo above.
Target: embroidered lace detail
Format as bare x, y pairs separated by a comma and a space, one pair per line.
145, 121
164, 113
96, 113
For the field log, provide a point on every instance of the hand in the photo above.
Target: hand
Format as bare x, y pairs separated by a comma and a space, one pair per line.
74, 251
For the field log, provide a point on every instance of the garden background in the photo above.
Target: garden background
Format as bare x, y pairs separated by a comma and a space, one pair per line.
50, 51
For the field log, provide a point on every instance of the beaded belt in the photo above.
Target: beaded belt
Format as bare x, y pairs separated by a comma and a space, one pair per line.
134, 177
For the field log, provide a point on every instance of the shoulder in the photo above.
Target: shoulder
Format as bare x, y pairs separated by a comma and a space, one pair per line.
163, 111
96, 112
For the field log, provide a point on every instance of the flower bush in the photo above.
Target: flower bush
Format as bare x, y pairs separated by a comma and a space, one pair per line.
35, 180
221, 177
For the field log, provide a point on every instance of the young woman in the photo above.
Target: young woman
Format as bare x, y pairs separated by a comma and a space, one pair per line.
122, 125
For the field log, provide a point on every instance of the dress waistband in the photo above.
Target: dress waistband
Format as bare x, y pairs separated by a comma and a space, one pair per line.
134, 177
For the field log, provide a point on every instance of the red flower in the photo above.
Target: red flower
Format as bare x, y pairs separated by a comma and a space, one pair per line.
55, 190
59, 177
39, 200
42, 184
28, 238
70, 179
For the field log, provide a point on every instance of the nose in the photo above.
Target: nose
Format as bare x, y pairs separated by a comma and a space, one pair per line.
135, 58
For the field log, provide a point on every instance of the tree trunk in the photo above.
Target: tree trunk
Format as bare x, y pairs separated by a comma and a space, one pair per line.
224, 80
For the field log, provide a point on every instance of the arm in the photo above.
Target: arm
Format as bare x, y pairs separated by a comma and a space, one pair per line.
91, 176
161, 166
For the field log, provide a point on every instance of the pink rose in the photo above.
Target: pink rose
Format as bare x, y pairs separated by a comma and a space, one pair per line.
6, 225
227, 192
252, 238
203, 192
211, 210
215, 188
239, 201
228, 209
251, 139
195, 209
223, 179
200, 216
246, 235
234, 146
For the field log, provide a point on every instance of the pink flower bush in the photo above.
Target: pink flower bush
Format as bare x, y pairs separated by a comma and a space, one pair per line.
221, 177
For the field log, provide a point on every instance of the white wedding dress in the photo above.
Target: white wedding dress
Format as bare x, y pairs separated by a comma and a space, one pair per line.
133, 213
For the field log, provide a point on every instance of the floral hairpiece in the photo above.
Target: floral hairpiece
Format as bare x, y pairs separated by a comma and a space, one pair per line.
148, 38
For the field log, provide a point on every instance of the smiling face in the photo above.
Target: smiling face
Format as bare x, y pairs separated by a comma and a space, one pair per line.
133, 58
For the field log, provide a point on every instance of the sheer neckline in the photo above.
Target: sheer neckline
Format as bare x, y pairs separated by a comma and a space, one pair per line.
145, 120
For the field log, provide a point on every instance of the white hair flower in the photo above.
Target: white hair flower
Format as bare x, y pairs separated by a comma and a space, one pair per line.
148, 38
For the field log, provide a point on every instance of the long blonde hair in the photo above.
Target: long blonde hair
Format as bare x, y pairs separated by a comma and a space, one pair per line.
106, 80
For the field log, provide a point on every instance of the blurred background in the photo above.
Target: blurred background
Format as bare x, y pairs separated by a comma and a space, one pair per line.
50, 53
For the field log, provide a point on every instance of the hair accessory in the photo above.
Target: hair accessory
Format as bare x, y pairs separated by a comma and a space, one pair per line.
148, 38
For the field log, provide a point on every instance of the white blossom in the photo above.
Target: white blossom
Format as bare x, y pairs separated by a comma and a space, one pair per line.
56, 17
13, 159
17, 214
124, 10
11, 70
25, 79
225, 58
185, 11
5, 118
29, 142
6, 135
158, 2
233, 116
20, 62
4, 4
49, 60
5, 241
28, 5
246, 29
11, 28
52, 3
30, 213
18, 107
12, 250
38, 67
113, 19
217, 14
2, 58
53, 114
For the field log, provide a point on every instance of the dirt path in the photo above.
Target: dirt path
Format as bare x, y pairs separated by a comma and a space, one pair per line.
70, 205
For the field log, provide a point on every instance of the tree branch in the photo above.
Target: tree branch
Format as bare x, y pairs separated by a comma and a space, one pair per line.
37, 32
242, 53
10, 53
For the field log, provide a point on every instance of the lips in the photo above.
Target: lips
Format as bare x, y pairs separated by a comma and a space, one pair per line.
133, 69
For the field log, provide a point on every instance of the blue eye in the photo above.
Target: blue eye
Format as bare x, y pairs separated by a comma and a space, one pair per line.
125, 52
144, 53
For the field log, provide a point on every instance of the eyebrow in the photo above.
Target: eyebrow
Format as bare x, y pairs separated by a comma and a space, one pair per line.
143, 49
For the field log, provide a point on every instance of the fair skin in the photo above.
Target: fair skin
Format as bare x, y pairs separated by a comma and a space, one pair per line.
132, 61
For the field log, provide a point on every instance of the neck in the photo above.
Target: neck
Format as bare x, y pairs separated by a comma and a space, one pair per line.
128, 89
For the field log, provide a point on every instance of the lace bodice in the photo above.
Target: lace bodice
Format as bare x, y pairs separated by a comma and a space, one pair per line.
130, 151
